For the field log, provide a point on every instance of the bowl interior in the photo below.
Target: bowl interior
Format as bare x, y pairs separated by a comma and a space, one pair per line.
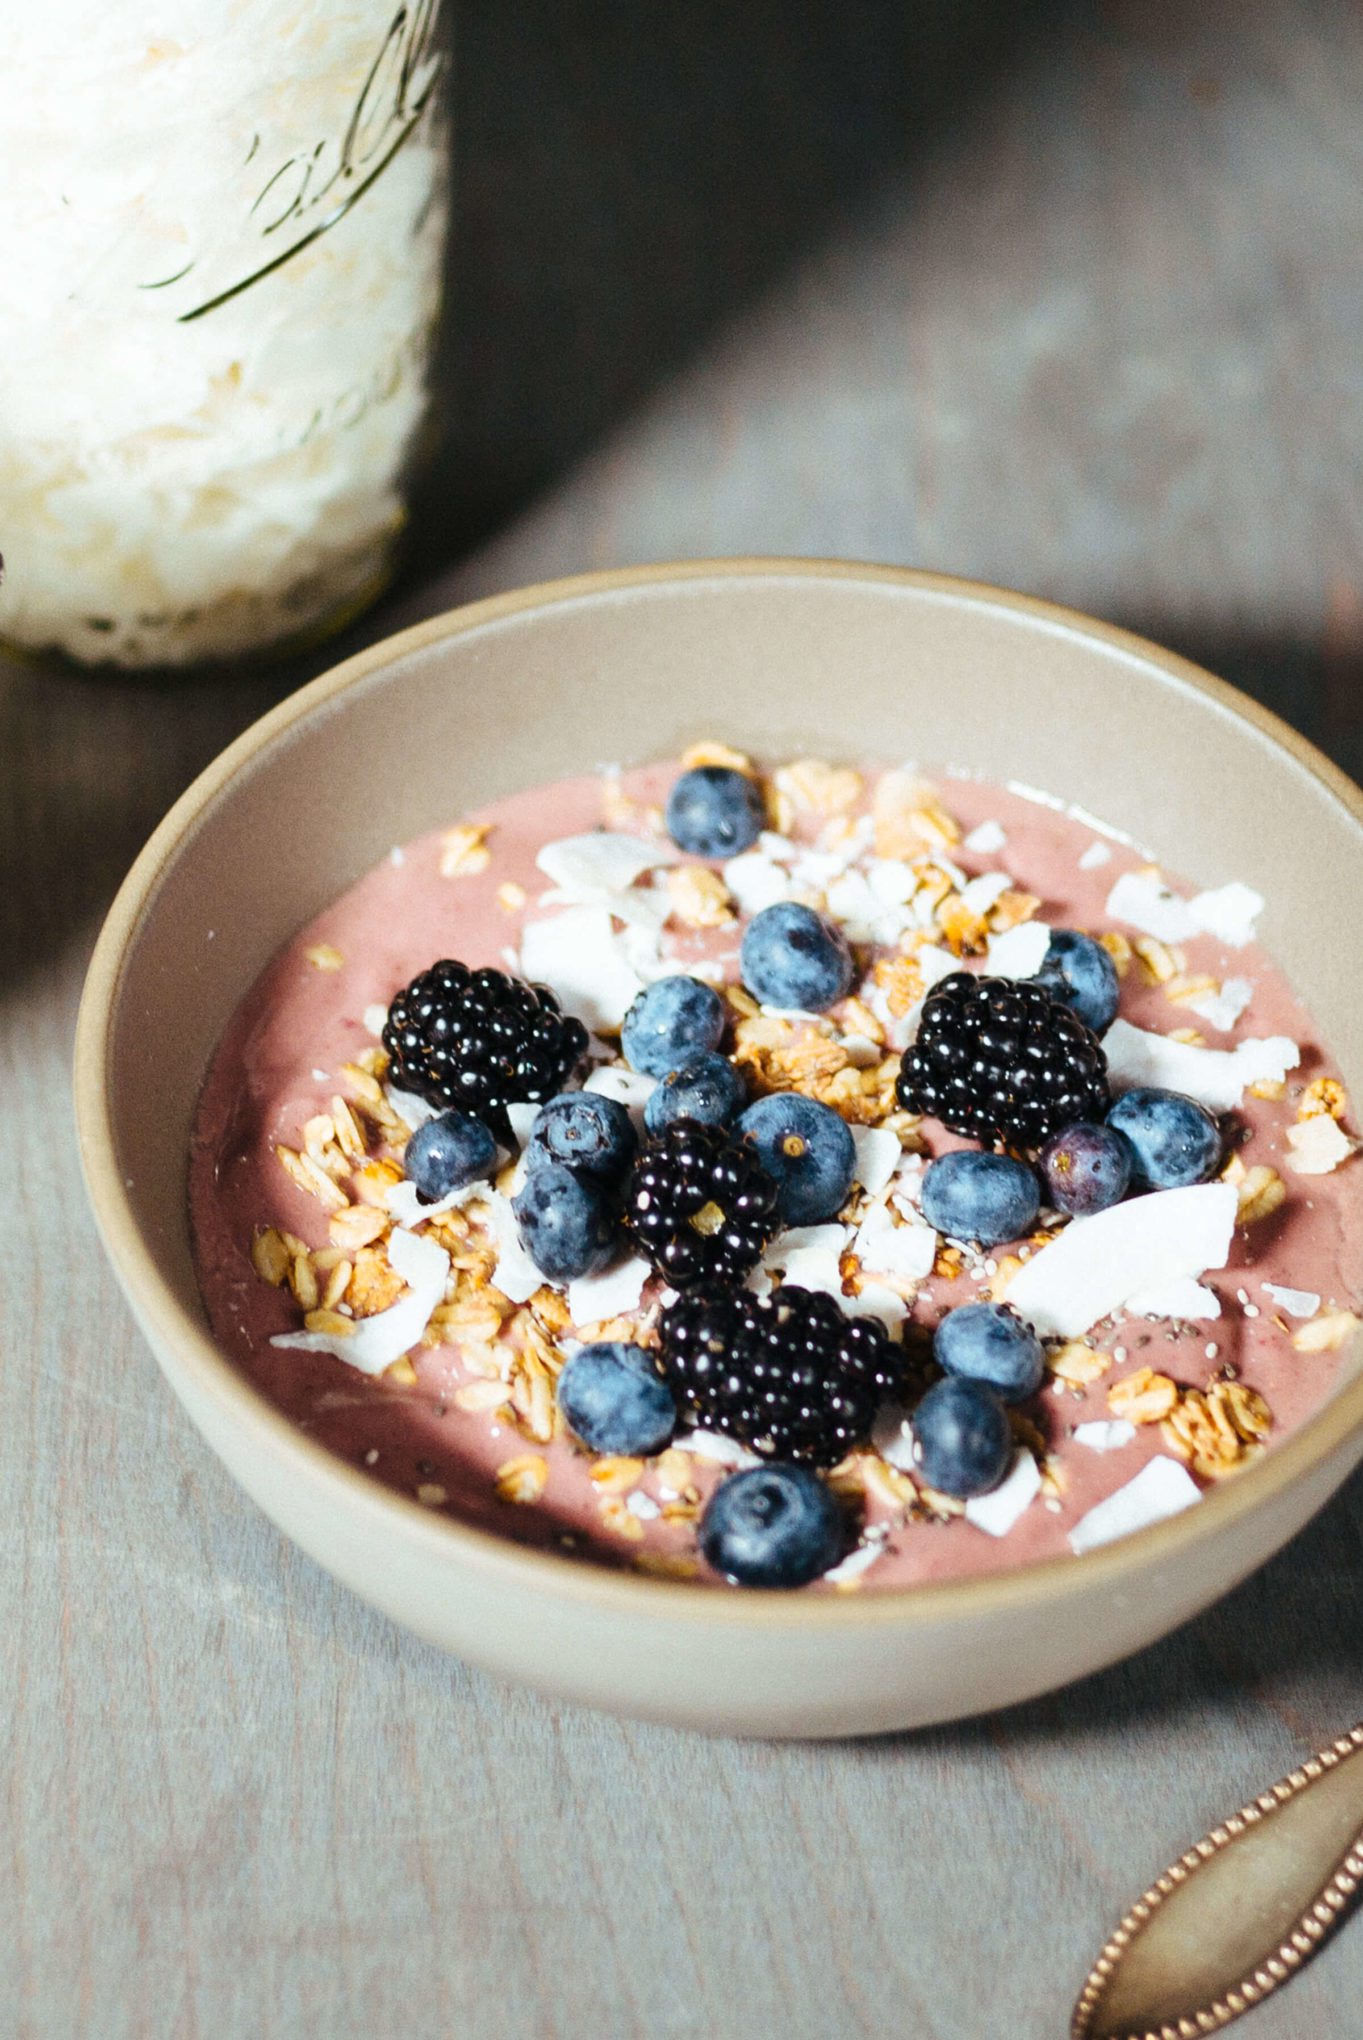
782, 660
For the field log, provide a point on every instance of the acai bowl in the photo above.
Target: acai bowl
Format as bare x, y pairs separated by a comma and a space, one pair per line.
945, 781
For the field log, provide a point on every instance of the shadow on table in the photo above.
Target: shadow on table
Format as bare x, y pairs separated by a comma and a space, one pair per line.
1315, 686
630, 178
1298, 1616
1301, 1612
87, 769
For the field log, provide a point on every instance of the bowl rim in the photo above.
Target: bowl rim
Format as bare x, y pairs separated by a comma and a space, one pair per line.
496, 1558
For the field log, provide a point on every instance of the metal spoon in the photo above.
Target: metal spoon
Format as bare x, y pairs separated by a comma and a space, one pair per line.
1239, 1913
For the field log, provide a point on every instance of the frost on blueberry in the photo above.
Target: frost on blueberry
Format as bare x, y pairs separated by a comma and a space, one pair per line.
809, 1151
972, 1196
714, 811
672, 1021
772, 1526
794, 958
614, 1399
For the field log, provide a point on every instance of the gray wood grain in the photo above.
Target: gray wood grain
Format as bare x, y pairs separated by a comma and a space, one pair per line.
1068, 298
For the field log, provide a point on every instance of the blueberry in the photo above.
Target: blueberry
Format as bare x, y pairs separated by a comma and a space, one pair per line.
772, 1526
669, 1023
1086, 1168
1079, 973
713, 811
962, 1439
809, 1151
564, 1221
448, 1152
583, 1130
614, 1399
1174, 1140
973, 1196
709, 1088
988, 1342
792, 957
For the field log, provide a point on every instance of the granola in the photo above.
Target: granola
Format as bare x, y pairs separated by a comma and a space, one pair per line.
427, 1344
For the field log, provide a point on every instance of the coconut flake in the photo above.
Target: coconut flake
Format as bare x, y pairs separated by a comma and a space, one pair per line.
780, 849
1222, 1009
1183, 1299
757, 881
1298, 1303
860, 1558
378, 1341
522, 1118
375, 1019
853, 903
997, 1512
1316, 1146
1163, 1487
407, 1207
884, 1248
616, 1080
515, 1273
872, 1301
1096, 1265
593, 1298
413, 1111
1144, 901
1216, 1077
1105, 1434
1097, 854
935, 963
714, 1447
878, 1153
985, 891
1228, 912
646, 914
985, 839
810, 1256
1019, 952
893, 882
817, 870
577, 955
640, 950
588, 867
861, 1050
892, 1436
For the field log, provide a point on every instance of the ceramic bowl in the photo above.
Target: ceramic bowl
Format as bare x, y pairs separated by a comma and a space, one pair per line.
782, 658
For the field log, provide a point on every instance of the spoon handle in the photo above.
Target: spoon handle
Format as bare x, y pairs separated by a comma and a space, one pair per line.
1239, 1913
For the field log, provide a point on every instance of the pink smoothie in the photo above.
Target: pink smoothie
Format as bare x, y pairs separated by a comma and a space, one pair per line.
277, 1068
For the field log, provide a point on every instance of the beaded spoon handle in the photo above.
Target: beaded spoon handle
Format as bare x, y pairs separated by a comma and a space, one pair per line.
1239, 1913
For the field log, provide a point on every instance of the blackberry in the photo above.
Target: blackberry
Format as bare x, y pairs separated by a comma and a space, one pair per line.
480, 1040
1001, 1060
700, 1205
787, 1374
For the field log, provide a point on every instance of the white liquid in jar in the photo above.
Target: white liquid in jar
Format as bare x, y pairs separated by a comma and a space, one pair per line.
220, 268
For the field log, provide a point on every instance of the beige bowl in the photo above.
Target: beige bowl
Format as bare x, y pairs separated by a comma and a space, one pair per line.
782, 658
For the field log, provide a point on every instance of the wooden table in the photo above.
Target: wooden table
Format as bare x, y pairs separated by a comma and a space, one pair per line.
1069, 299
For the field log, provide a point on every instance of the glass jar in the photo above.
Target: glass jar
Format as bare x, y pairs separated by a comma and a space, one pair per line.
222, 229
